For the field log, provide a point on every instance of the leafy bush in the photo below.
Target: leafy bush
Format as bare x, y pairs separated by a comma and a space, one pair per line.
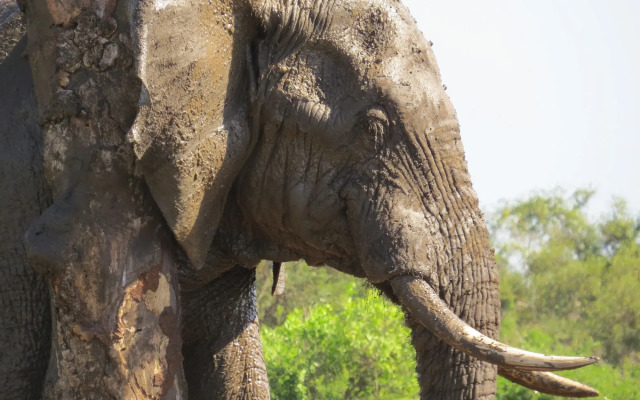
571, 286
359, 351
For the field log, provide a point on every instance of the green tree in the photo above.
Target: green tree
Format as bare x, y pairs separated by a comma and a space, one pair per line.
571, 285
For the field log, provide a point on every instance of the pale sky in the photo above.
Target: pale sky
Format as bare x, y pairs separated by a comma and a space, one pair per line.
547, 93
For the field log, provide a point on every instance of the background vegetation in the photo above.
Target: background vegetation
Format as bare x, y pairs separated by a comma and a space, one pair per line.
569, 285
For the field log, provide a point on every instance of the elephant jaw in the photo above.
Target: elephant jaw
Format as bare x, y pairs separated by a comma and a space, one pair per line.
520, 366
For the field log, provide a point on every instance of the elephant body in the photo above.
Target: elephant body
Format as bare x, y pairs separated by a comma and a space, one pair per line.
185, 141
24, 301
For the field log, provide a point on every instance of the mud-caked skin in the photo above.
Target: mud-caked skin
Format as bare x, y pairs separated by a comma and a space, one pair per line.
343, 149
188, 140
363, 145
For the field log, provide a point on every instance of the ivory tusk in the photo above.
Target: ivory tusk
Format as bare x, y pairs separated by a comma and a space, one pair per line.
548, 383
426, 306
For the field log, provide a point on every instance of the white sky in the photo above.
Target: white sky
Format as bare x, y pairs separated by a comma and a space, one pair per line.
547, 93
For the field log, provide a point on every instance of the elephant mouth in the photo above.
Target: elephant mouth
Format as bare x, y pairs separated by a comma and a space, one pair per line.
523, 367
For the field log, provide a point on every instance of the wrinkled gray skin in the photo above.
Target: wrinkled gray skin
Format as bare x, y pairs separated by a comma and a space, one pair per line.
362, 145
262, 130
24, 305
363, 148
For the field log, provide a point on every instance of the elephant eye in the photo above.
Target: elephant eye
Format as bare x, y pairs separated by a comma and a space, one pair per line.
376, 123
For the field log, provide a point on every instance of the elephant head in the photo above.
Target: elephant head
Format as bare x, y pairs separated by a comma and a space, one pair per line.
336, 143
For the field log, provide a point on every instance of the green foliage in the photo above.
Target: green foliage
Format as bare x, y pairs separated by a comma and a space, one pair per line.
357, 350
305, 288
571, 286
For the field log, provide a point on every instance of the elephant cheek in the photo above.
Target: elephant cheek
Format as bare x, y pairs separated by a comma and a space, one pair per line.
403, 242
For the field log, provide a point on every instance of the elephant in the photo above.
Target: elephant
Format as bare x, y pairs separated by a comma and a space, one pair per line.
24, 301
185, 141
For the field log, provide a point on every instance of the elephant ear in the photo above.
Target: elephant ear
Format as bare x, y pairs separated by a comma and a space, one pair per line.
191, 135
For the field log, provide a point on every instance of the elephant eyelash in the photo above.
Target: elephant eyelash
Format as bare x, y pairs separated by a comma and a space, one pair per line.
378, 114
376, 129
376, 124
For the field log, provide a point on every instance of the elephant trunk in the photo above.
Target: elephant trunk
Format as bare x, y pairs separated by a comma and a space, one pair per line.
452, 301
460, 290
454, 324
431, 231
427, 240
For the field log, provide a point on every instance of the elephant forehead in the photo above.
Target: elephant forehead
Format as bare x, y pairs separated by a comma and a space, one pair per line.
318, 90
317, 75
388, 50
409, 83
362, 29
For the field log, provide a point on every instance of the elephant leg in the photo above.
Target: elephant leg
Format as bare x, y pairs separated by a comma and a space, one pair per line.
25, 325
222, 350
